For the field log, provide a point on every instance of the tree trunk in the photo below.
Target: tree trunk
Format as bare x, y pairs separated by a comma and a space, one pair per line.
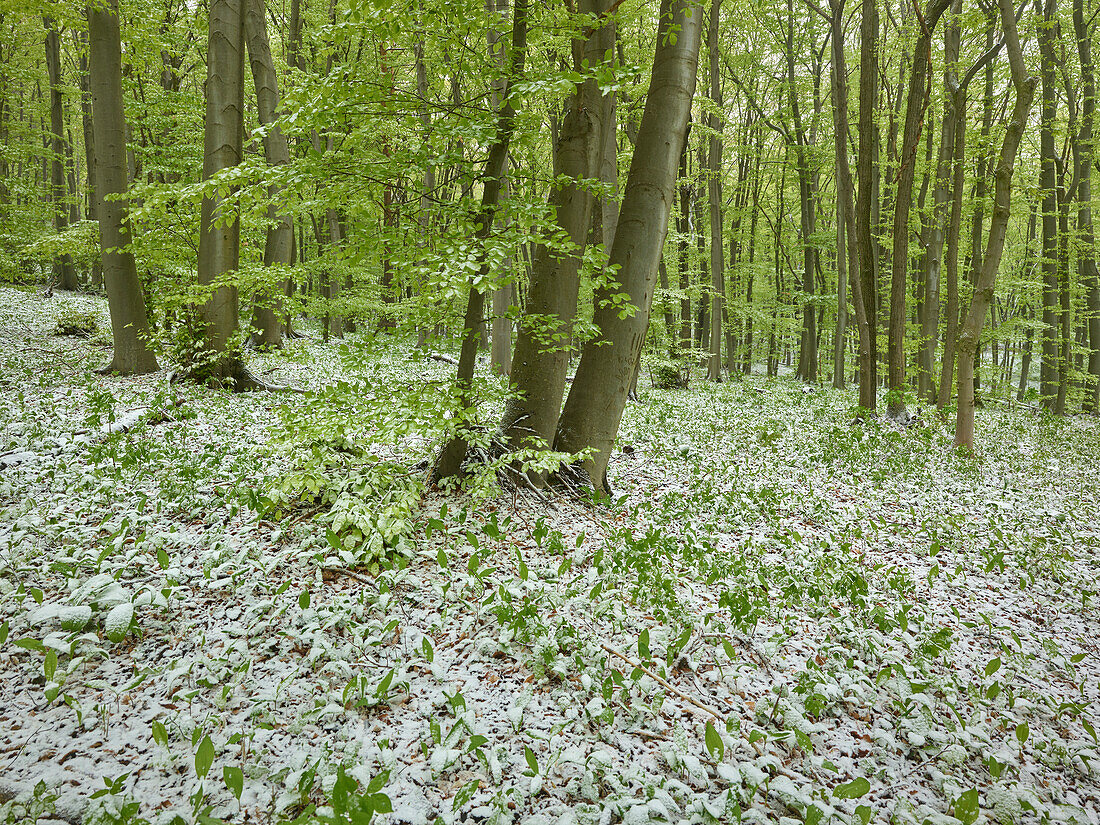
926, 387
64, 273
449, 462
91, 207
219, 234
279, 242
865, 242
129, 322
684, 229
847, 253
598, 396
1002, 201
714, 195
1086, 254
545, 331
1048, 367
916, 100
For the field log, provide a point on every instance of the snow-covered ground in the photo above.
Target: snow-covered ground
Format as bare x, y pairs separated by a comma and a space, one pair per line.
786, 618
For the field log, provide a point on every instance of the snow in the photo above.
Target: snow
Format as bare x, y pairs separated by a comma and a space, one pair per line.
850, 601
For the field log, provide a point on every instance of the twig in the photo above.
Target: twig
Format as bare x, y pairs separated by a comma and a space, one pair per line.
667, 685
351, 574
889, 789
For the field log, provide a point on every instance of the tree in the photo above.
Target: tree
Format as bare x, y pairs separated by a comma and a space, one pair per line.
594, 407
129, 322
545, 330
64, 273
449, 462
279, 243
1024, 86
219, 233
916, 101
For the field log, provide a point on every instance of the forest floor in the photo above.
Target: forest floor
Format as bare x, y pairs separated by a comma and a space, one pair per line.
785, 618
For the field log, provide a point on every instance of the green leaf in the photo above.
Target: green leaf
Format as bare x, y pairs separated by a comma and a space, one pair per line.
204, 757
162, 558
29, 644
160, 733
1022, 733
729, 649
864, 813
643, 644
49, 667
966, 807
303, 599
5, 629
852, 790
993, 666
441, 557
1090, 729
814, 815
234, 780
714, 743
1080, 657
532, 761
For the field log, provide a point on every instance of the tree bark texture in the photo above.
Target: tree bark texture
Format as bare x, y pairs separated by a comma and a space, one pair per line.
594, 408
129, 322
1024, 86
279, 241
219, 238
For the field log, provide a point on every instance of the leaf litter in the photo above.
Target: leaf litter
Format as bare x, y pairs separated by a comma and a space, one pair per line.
786, 618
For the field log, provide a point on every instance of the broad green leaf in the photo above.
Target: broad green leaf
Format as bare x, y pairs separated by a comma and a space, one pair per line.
234, 780
966, 807
714, 743
852, 790
204, 757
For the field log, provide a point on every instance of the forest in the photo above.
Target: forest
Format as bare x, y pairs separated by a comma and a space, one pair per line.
593, 412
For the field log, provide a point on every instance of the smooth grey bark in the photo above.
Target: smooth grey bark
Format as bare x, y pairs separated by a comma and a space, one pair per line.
450, 460
129, 321
941, 199
847, 251
500, 326
594, 408
219, 230
279, 241
1048, 173
1087, 250
865, 242
64, 273
545, 331
684, 229
91, 207
916, 100
714, 196
1024, 86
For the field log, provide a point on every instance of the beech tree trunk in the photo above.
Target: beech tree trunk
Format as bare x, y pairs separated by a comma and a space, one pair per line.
916, 100
1086, 254
1048, 173
219, 238
865, 242
847, 253
714, 195
543, 343
599, 393
64, 273
279, 242
129, 322
1024, 86
449, 462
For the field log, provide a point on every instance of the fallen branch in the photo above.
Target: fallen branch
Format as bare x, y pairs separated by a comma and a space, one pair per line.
351, 574
666, 684
438, 356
